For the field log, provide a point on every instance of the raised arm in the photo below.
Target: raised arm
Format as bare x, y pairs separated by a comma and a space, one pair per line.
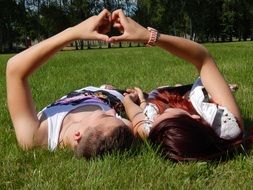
210, 75
22, 65
188, 50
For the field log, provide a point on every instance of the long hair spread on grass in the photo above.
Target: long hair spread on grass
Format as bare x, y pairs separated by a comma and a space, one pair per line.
183, 138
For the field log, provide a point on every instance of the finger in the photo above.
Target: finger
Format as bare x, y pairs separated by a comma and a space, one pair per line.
102, 37
119, 14
119, 27
105, 14
116, 19
129, 90
120, 38
105, 20
137, 89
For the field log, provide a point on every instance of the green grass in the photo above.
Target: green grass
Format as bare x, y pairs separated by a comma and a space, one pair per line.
136, 169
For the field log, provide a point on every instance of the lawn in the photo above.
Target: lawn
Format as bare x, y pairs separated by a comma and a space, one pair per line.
140, 168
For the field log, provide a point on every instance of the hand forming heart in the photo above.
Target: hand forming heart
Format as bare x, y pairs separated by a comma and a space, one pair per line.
96, 28
131, 30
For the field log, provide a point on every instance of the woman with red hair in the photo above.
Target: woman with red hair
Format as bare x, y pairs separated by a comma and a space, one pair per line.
198, 122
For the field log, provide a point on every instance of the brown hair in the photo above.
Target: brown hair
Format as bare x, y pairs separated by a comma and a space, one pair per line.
183, 138
95, 142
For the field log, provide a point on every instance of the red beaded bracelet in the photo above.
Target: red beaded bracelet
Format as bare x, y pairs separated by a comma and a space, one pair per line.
154, 36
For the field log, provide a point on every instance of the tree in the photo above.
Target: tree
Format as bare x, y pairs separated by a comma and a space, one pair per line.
78, 11
10, 23
53, 19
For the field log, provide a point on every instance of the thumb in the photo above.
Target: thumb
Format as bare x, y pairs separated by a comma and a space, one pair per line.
117, 38
102, 37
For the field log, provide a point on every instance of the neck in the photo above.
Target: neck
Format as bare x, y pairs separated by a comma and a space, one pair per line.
65, 136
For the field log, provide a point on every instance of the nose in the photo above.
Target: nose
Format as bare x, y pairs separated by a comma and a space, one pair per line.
111, 112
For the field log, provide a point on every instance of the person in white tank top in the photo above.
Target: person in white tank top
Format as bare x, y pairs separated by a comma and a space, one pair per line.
90, 126
85, 97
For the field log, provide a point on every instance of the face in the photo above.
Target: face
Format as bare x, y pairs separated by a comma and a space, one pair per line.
171, 113
106, 120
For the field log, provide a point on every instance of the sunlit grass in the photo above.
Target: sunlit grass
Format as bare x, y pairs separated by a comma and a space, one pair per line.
136, 169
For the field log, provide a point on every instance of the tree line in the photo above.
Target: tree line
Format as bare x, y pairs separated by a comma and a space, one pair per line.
23, 21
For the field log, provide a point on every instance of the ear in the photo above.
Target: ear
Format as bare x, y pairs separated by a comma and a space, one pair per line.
77, 136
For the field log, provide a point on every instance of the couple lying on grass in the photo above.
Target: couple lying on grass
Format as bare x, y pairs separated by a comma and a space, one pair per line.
192, 122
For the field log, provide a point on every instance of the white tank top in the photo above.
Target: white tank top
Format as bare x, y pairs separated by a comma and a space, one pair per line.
55, 113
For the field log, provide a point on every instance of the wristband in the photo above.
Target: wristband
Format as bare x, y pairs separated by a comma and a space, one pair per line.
138, 113
154, 36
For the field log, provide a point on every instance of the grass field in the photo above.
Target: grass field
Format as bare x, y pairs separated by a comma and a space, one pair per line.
139, 168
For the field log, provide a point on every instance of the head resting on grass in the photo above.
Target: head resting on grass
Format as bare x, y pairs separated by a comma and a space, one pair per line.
100, 140
183, 136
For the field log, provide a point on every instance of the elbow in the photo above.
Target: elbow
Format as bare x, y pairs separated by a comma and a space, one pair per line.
206, 54
203, 54
13, 69
203, 57
26, 140
24, 145
10, 68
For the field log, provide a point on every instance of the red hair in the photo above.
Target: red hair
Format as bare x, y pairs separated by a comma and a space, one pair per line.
165, 99
184, 138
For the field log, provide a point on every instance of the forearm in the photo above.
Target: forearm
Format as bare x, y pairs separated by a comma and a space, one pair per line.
24, 63
185, 49
136, 116
211, 77
131, 108
143, 104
